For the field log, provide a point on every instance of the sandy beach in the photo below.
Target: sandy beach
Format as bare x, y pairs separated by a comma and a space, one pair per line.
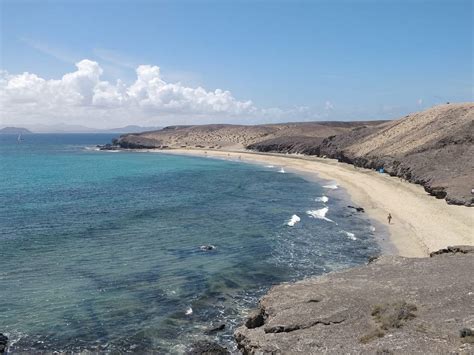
421, 224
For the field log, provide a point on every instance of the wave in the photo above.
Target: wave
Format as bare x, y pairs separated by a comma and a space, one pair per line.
269, 166
294, 219
322, 199
350, 235
331, 186
92, 148
320, 214
282, 171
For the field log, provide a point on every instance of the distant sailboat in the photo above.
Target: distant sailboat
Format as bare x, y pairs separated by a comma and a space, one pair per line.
19, 139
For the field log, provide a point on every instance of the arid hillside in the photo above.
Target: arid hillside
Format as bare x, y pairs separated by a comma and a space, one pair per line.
219, 136
433, 148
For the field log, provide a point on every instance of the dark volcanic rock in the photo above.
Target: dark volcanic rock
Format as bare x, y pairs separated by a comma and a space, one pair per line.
463, 249
3, 343
207, 348
255, 320
108, 147
217, 329
358, 209
393, 304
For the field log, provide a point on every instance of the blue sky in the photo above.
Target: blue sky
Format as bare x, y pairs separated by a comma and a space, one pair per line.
294, 60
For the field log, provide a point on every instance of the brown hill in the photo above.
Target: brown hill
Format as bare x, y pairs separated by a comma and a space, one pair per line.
433, 148
237, 136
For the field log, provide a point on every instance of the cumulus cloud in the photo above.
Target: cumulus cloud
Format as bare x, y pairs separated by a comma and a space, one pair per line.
81, 97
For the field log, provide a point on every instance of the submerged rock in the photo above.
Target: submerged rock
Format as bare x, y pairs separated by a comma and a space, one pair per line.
207, 247
205, 347
358, 209
217, 329
393, 304
3, 343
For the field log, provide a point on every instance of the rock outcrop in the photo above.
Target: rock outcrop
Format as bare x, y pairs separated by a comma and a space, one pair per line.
207, 348
392, 305
3, 343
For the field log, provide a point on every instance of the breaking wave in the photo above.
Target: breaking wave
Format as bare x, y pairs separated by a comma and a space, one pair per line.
294, 219
320, 214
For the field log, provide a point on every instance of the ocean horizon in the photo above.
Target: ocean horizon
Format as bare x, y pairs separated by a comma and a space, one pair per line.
130, 251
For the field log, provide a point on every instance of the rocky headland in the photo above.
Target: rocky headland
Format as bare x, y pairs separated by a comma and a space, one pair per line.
393, 305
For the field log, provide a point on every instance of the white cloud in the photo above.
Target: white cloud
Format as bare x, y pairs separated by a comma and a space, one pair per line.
328, 106
81, 97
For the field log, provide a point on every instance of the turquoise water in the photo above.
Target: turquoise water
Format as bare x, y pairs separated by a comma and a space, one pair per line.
101, 250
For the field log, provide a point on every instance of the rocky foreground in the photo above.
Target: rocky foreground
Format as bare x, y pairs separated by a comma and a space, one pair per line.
392, 305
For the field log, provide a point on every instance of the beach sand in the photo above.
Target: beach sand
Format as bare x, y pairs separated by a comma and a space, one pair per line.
421, 223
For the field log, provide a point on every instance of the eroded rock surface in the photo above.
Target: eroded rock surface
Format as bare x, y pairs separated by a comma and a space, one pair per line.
392, 305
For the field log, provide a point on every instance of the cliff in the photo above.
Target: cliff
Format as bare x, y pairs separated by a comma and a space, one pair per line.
433, 148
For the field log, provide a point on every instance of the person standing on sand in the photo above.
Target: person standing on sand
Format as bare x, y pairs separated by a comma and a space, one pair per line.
389, 218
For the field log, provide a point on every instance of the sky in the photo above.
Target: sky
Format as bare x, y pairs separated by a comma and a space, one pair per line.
154, 63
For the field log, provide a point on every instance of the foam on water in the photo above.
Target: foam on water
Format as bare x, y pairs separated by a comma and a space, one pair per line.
350, 235
323, 198
294, 219
281, 170
331, 186
320, 214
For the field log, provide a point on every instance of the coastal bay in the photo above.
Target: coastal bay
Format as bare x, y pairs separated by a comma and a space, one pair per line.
421, 224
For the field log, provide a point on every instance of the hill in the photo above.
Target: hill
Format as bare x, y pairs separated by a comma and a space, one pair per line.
233, 137
14, 130
433, 148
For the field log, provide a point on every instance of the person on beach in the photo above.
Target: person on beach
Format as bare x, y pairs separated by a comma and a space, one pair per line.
389, 218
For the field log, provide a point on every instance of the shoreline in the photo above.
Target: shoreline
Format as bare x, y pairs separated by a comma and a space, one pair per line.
421, 224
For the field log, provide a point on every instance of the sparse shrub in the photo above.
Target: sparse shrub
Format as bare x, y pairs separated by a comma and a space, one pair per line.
374, 334
388, 316
393, 315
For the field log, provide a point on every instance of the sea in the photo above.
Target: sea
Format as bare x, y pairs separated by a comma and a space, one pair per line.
122, 251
